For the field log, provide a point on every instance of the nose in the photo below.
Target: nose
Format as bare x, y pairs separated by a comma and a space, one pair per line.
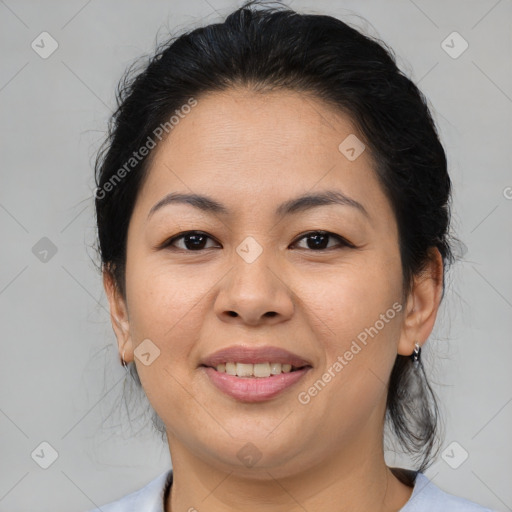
253, 293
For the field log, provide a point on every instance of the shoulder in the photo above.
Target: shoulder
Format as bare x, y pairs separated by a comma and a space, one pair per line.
427, 497
149, 498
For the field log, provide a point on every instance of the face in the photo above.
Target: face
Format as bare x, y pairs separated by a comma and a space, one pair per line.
257, 275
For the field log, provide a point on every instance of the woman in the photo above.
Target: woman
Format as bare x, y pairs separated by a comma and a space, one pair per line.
273, 208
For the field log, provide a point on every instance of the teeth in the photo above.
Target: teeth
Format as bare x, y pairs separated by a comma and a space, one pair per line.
244, 370
261, 370
230, 368
254, 370
275, 368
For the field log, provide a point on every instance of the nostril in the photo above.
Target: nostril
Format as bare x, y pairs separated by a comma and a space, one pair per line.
232, 313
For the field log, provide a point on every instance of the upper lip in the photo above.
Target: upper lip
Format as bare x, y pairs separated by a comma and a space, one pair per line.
254, 355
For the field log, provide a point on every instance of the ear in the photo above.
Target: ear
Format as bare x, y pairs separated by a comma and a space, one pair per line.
422, 304
118, 317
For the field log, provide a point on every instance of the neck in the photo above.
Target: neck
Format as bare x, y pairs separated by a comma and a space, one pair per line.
353, 479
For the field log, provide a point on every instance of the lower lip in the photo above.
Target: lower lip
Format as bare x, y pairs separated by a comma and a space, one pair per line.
253, 389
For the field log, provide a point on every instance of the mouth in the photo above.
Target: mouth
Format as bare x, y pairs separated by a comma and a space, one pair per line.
256, 370
252, 383
252, 373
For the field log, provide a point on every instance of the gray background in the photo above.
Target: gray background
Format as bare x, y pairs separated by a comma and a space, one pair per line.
60, 376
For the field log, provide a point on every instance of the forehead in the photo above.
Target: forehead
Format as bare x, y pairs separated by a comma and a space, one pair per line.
253, 146
263, 124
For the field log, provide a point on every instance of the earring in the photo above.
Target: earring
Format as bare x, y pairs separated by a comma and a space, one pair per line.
416, 355
123, 362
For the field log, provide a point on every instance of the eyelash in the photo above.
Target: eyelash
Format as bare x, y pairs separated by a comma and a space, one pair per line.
342, 241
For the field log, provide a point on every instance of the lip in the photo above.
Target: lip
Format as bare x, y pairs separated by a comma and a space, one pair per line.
253, 389
254, 355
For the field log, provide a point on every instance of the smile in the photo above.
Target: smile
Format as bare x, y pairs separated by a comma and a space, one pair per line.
255, 370
256, 382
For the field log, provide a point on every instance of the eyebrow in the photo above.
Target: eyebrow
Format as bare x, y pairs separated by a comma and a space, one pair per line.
292, 206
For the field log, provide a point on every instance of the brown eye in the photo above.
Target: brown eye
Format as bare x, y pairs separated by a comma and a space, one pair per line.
194, 241
319, 240
191, 241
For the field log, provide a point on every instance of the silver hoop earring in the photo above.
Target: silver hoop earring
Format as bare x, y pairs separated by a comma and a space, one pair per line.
416, 355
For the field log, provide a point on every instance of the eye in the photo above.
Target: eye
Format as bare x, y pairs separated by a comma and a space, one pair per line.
319, 240
197, 241
192, 240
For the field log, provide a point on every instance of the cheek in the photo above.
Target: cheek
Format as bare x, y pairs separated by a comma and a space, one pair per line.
166, 306
352, 297
356, 314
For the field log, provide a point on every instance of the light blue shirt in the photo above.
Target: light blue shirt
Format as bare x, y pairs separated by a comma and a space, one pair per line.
425, 497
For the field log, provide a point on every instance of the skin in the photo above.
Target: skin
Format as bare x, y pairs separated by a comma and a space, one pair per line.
251, 152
